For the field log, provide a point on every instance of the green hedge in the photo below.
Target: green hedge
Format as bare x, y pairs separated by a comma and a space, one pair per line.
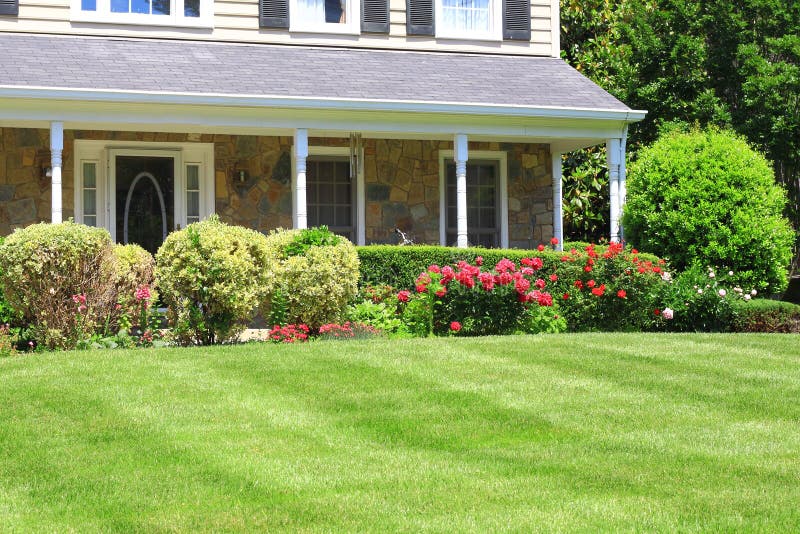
762, 315
398, 266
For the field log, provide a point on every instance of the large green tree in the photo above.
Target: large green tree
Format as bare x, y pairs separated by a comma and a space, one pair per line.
723, 62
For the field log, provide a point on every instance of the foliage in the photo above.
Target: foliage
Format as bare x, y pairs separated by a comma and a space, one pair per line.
348, 330
468, 300
8, 341
612, 289
212, 276
7, 314
585, 194
60, 278
762, 315
382, 315
316, 285
306, 238
706, 197
134, 269
543, 320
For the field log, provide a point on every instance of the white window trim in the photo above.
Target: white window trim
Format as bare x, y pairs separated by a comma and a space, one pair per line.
361, 211
104, 15
102, 152
475, 155
351, 27
495, 32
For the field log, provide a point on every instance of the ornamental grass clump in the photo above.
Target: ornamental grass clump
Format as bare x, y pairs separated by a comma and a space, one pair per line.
61, 280
312, 276
211, 276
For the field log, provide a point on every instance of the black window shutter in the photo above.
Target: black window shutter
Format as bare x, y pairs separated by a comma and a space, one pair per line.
517, 20
272, 13
9, 7
419, 17
375, 16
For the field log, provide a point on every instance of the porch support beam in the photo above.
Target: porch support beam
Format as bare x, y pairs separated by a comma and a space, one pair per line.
558, 212
56, 150
613, 156
623, 174
300, 155
461, 155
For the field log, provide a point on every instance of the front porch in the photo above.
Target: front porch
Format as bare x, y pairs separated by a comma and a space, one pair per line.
252, 180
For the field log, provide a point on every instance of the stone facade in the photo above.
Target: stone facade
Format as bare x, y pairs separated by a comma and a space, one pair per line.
253, 177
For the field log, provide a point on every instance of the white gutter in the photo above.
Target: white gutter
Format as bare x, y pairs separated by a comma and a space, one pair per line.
318, 103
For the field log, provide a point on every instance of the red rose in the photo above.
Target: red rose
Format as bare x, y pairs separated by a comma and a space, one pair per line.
540, 248
591, 283
553, 277
622, 294
554, 241
442, 292
403, 296
565, 296
657, 311
479, 261
455, 326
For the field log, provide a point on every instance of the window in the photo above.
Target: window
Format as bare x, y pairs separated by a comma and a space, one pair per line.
483, 193
471, 19
194, 13
330, 195
328, 16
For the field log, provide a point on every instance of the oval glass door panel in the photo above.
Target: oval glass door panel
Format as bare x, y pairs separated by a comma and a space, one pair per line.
145, 196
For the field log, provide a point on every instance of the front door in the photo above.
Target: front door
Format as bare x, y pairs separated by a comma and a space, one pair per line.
142, 191
143, 202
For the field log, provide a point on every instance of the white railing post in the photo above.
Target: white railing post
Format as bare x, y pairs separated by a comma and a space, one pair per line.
558, 212
612, 154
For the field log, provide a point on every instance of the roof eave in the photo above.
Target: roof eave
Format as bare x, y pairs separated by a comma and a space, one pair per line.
275, 101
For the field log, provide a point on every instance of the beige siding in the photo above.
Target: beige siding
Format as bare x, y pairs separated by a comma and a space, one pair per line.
237, 21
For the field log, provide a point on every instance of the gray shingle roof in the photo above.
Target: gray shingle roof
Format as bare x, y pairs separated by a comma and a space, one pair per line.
295, 71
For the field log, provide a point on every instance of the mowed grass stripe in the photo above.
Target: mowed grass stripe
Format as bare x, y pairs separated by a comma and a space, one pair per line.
569, 432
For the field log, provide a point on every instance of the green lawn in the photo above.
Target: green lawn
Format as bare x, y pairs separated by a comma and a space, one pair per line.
570, 432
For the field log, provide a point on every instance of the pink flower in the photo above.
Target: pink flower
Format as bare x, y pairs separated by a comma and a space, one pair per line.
403, 296
479, 261
668, 314
522, 285
142, 293
540, 283
421, 288
447, 274
455, 326
81, 308
79, 298
434, 269
553, 277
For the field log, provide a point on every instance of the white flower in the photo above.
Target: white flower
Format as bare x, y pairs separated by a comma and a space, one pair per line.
722, 292
699, 291
747, 297
711, 274
52, 291
668, 314
730, 273
737, 289
754, 292
665, 276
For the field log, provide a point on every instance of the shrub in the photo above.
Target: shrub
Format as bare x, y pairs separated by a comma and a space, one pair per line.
314, 282
60, 278
707, 198
8, 315
610, 289
762, 315
133, 276
211, 276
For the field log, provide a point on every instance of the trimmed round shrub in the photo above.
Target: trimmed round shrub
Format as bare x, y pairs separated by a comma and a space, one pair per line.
313, 276
705, 197
60, 279
211, 276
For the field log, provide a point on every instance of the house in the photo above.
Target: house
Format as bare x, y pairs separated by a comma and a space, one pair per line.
444, 118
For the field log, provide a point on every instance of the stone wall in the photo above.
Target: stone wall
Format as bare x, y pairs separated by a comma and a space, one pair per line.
401, 179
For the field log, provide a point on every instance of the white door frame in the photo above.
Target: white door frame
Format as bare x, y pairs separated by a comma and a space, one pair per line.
103, 154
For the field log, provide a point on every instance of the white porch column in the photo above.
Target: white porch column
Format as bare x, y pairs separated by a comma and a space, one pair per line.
558, 212
612, 154
300, 155
461, 156
623, 174
56, 149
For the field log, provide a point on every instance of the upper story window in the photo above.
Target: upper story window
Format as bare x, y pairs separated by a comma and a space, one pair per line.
192, 13
327, 16
471, 19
